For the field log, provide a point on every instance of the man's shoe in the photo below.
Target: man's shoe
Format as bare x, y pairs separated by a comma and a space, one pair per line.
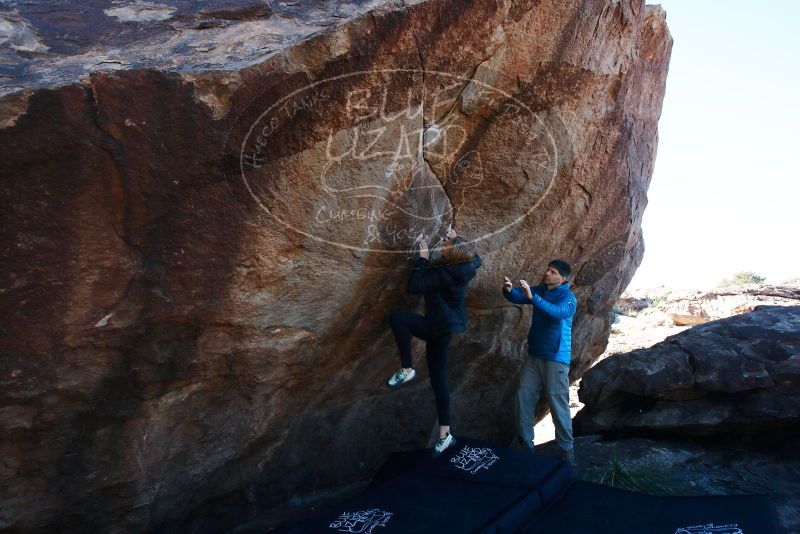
443, 443
400, 378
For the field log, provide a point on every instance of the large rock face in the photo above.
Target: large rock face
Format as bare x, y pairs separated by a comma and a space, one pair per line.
202, 243
737, 376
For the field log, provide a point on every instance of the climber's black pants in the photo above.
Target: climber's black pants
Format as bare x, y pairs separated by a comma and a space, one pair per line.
408, 324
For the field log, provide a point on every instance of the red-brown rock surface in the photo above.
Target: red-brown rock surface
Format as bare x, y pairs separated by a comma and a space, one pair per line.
199, 257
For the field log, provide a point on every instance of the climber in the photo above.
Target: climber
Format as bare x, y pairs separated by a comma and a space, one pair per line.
443, 282
546, 367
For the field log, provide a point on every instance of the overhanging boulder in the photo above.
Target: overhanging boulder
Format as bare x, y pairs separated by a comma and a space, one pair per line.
206, 213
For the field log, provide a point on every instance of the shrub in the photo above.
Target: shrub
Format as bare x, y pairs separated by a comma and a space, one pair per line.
658, 300
643, 480
743, 277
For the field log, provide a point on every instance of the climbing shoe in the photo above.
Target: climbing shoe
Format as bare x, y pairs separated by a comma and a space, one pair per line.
443, 443
400, 378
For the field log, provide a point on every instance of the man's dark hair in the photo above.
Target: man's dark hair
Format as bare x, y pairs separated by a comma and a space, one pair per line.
562, 267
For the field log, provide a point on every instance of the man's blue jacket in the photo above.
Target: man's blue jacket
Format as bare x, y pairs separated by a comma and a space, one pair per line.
550, 335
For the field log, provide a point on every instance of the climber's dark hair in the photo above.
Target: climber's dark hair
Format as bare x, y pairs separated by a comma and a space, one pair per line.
562, 267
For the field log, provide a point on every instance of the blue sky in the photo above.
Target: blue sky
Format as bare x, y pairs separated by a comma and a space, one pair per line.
725, 194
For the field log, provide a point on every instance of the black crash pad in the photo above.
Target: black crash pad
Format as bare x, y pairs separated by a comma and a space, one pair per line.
587, 508
472, 486
476, 486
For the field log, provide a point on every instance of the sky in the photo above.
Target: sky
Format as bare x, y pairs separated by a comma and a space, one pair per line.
725, 193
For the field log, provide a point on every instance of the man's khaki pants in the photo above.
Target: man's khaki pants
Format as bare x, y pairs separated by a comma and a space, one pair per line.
536, 375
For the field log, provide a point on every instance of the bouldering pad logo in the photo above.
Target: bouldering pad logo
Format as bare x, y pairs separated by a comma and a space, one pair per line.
362, 522
370, 160
710, 528
473, 459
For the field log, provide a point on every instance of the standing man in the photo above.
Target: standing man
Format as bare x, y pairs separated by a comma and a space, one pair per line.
546, 367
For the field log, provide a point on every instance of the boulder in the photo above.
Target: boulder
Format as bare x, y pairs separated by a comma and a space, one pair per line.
701, 307
644, 317
737, 376
207, 211
632, 302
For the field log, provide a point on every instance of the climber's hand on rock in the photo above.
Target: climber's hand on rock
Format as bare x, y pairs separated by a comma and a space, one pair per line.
423, 248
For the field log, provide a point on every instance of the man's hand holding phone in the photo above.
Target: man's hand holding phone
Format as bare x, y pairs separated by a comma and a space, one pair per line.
507, 285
